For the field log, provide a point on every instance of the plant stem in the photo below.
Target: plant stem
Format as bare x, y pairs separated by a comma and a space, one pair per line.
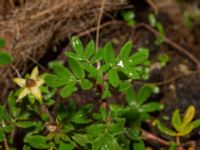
98, 28
45, 110
149, 136
6, 146
178, 140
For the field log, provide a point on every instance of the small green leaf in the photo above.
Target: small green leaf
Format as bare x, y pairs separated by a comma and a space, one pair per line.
172, 146
86, 84
105, 142
77, 45
95, 130
113, 77
163, 59
50, 102
25, 124
68, 90
131, 72
139, 145
186, 130
124, 85
160, 28
139, 57
144, 93
7, 128
131, 96
2, 43
90, 49
189, 115
76, 68
117, 110
60, 70
2, 136
98, 56
106, 92
12, 104
90, 69
37, 141
68, 128
54, 81
109, 54
26, 147
81, 116
75, 56
196, 123
152, 19
81, 139
129, 16
2, 112
5, 58
165, 129
24, 116
116, 128
125, 50
176, 120
151, 107
64, 146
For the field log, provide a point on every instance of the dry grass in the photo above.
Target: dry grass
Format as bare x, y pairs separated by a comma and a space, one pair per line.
35, 25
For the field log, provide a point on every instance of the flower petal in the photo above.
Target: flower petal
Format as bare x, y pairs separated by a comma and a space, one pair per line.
37, 93
34, 73
22, 94
20, 81
40, 82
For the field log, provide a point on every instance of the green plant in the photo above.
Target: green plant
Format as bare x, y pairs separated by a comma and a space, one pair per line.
158, 25
46, 111
5, 57
115, 71
182, 126
129, 17
163, 60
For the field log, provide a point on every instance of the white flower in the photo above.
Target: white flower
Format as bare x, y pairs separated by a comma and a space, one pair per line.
30, 86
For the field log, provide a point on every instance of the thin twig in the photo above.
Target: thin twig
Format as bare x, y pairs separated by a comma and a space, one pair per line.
152, 3
172, 43
98, 27
106, 24
168, 81
37, 63
6, 146
149, 136
16, 70
45, 110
